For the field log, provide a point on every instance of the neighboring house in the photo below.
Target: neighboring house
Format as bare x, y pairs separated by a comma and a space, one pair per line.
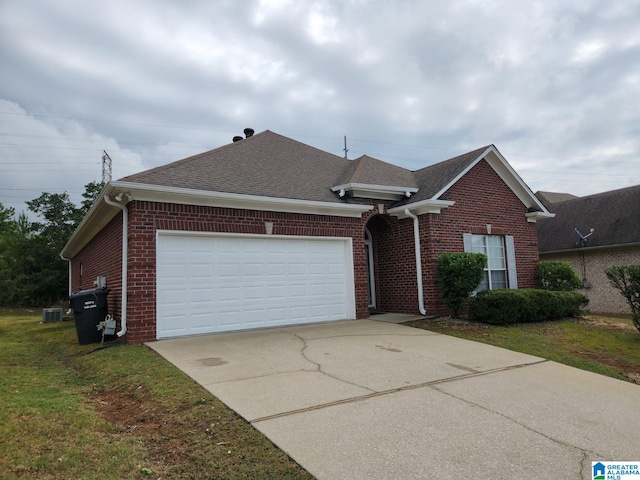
267, 231
615, 219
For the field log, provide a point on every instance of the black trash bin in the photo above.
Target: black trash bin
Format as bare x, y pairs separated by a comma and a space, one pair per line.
89, 309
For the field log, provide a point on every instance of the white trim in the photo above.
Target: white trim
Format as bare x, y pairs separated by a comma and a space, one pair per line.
416, 244
533, 217
190, 196
383, 192
504, 170
510, 253
101, 214
371, 278
422, 207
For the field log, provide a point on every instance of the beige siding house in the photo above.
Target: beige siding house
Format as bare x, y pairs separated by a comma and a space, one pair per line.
614, 217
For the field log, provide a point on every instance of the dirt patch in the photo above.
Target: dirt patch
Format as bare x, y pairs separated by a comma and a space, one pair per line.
611, 323
168, 437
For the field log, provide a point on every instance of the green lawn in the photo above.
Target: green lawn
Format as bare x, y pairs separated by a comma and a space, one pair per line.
71, 411
605, 345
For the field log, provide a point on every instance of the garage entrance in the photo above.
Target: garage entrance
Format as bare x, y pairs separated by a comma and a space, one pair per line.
208, 283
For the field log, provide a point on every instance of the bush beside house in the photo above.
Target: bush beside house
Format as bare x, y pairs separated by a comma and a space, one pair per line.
557, 276
459, 274
502, 307
626, 279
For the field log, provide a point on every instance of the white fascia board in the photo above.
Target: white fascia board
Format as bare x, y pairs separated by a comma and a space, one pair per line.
383, 192
157, 193
420, 208
533, 217
506, 172
95, 220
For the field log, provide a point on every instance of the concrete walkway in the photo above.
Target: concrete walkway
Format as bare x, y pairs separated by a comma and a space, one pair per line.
370, 399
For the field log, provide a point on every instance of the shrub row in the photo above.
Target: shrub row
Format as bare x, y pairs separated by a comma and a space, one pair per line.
502, 307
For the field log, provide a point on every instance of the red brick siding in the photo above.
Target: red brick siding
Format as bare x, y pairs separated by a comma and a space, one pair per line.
481, 198
394, 265
148, 217
102, 257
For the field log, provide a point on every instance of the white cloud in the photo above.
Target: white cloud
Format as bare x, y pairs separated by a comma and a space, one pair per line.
550, 83
54, 155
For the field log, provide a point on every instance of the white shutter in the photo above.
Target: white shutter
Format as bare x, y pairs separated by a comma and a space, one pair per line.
468, 242
511, 261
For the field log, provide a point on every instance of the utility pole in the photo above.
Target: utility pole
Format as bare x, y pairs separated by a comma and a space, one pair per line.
106, 167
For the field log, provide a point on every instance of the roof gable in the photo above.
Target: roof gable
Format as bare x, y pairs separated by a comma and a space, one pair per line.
614, 216
435, 180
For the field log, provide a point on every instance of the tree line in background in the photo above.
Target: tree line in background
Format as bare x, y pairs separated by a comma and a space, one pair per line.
31, 270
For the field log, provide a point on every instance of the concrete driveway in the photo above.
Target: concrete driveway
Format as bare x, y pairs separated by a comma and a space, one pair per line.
370, 399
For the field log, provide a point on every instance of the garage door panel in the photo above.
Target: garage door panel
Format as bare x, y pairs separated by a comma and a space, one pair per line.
214, 283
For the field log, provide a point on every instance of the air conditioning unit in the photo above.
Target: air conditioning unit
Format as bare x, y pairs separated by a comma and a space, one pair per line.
51, 315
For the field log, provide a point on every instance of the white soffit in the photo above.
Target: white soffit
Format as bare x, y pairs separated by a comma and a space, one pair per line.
155, 193
365, 190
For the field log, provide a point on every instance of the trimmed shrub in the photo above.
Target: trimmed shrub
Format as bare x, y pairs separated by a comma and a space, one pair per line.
557, 276
503, 307
459, 274
626, 278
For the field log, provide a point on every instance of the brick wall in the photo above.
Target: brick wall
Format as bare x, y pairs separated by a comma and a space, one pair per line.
394, 265
603, 298
481, 198
101, 257
148, 217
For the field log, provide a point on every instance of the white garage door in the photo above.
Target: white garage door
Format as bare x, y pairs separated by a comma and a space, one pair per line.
215, 282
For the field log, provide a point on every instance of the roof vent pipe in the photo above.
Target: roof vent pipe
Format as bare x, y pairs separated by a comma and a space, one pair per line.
237, 139
248, 132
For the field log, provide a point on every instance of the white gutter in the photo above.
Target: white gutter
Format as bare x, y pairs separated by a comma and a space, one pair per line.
68, 260
125, 253
416, 241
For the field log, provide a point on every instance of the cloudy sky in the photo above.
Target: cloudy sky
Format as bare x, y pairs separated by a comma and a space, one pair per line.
555, 85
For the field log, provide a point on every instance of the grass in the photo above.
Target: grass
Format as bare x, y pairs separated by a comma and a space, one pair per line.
71, 411
605, 345
75, 411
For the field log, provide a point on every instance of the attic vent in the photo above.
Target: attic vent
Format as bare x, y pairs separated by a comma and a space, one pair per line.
237, 139
248, 132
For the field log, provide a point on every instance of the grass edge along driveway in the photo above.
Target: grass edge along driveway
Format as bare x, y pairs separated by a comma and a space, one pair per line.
608, 345
120, 412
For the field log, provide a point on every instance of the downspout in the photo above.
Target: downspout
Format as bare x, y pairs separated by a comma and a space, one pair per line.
68, 260
416, 242
125, 235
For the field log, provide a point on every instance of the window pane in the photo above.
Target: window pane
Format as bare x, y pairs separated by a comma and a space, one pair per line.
496, 252
496, 259
498, 280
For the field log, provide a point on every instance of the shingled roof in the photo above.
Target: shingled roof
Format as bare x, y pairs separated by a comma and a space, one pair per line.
271, 165
614, 216
266, 164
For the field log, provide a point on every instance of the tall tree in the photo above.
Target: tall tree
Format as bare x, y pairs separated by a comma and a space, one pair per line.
91, 192
31, 270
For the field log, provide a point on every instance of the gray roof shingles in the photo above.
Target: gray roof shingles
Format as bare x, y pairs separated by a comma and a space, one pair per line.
271, 165
614, 216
